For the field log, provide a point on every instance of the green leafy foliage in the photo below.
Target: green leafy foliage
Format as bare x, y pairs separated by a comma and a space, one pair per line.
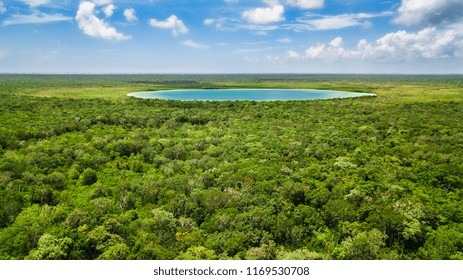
88, 173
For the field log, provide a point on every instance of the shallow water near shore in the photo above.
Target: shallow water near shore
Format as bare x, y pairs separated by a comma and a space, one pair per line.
246, 94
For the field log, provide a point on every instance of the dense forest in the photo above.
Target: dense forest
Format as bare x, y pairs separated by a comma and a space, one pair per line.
89, 173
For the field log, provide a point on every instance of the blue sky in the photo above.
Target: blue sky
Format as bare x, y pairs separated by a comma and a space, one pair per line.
231, 36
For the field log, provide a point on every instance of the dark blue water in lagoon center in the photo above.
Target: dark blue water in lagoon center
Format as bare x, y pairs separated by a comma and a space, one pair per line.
246, 94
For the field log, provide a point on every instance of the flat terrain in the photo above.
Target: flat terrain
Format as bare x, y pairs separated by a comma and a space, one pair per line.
89, 173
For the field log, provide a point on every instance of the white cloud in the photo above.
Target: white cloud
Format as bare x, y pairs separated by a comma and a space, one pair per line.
293, 54
284, 40
458, 27
322, 22
173, 23
35, 3
429, 12
336, 43
35, 18
273, 13
95, 27
428, 43
223, 24
130, 15
259, 28
194, 45
272, 59
333, 50
109, 10
209, 21
231, 1
333, 22
2, 8
271, 3
306, 4
102, 2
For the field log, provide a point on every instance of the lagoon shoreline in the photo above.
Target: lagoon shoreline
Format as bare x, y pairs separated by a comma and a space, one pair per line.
246, 94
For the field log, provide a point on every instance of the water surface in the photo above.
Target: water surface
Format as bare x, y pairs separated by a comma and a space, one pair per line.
246, 94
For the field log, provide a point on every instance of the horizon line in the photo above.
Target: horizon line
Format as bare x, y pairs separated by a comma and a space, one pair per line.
227, 73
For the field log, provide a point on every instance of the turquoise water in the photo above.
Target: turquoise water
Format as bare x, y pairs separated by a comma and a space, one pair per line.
246, 94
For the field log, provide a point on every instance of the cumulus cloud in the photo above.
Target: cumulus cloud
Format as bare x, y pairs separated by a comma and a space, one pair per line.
194, 45
306, 4
173, 23
273, 13
35, 18
429, 12
293, 54
428, 43
95, 27
109, 10
130, 15
333, 50
2, 8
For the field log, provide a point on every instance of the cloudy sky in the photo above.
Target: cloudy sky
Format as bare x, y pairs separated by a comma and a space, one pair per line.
231, 36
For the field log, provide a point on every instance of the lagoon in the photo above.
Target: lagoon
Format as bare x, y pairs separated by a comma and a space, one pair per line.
246, 94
